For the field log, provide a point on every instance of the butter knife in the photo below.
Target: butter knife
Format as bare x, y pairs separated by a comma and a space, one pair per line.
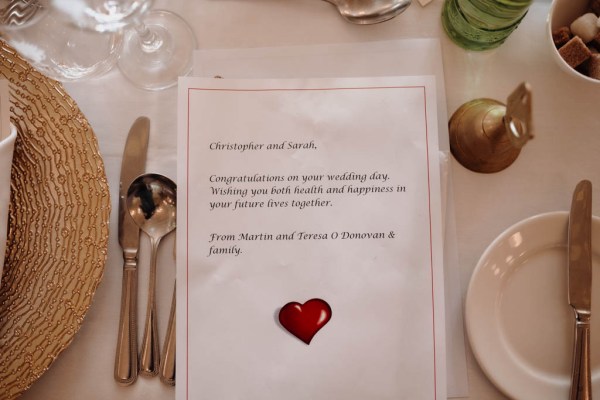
580, 287
132, 165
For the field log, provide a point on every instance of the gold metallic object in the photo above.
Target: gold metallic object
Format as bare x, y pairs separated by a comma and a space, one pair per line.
57, 229
487, 135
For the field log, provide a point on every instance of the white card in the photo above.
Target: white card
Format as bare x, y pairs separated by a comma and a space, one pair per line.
290, 190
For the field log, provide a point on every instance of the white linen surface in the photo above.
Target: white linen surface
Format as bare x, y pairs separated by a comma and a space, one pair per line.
484, 204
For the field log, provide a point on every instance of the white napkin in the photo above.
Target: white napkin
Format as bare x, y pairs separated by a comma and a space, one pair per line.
6, 154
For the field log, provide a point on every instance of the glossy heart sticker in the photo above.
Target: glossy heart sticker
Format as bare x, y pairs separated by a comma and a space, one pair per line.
305, 320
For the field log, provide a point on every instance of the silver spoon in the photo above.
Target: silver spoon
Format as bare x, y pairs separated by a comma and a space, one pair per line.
365, 12
167, 364
152, 201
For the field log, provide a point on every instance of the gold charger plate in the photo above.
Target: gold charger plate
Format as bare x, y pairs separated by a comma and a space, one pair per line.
58, 226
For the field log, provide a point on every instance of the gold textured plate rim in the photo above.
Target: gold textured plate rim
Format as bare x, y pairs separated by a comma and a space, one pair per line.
57, 228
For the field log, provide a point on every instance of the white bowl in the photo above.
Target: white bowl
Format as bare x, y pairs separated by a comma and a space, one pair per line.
562, 13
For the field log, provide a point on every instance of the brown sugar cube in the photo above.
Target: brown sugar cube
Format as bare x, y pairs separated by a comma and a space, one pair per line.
595, 6
575, 52
593, 66
561, 36
596, 40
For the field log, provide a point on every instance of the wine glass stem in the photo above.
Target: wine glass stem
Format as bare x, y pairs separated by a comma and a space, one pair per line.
150, 41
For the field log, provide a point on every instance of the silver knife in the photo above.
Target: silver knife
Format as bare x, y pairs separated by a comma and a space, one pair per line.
133, 165
580, 287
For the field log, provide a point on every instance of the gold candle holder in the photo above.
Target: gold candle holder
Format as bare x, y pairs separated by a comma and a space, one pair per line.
487, 136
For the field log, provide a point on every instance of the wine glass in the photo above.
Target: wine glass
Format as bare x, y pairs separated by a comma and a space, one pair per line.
17, 14
102, 15
61, 51
157, 45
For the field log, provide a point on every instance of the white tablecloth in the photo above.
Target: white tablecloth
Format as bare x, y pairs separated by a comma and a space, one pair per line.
564, 151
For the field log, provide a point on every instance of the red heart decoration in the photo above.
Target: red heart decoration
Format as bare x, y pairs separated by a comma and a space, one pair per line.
305, 320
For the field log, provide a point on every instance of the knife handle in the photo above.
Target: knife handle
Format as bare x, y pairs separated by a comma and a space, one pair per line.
126, 360
167, 364
581, 383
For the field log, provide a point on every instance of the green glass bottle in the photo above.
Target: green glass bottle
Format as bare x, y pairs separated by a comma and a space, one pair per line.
482, 24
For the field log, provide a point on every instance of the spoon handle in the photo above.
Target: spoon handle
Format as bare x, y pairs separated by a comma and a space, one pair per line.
167, 365
150, 354
126, 360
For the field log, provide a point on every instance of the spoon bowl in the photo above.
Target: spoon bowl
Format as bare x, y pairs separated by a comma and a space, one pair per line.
152, 203
364, 12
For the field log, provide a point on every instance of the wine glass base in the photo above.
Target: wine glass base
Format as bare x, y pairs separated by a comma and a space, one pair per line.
158, 65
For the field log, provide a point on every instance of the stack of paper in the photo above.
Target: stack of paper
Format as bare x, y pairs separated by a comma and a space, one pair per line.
405, 57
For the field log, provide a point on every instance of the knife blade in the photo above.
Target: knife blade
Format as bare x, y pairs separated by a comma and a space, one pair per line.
580, 287
132, 165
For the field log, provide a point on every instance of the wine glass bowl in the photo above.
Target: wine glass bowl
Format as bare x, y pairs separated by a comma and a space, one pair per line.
157, 45
103, 15
64, 52
16, 14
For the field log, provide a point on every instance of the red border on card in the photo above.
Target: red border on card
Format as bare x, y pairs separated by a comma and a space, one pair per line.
312, 89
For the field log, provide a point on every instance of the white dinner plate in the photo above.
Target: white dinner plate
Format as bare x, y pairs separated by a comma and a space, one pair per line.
518, 321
